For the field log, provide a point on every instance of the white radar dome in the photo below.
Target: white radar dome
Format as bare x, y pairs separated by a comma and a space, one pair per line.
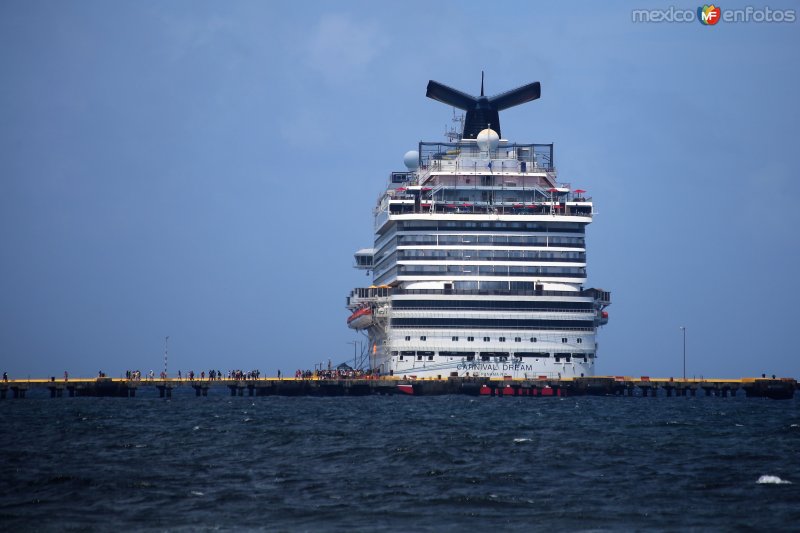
411, 159
488, 140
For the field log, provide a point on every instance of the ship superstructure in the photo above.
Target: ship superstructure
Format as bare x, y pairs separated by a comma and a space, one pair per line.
479, 259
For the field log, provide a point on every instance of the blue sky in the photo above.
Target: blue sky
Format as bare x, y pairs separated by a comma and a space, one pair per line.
205, 170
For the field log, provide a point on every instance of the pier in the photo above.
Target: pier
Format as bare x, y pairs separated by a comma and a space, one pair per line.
644, 386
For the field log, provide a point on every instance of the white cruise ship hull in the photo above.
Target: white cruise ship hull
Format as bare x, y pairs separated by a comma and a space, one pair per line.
479, 263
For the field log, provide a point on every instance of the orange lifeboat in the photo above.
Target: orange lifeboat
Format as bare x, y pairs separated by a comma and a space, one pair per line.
361, 318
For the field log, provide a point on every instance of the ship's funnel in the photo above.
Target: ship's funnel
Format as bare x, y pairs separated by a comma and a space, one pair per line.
482, 111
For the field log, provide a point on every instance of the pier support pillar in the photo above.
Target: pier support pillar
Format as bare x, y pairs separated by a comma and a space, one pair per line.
669, 391
3, 393
251, 390
645, 391
162, 391
131, 392
233, 389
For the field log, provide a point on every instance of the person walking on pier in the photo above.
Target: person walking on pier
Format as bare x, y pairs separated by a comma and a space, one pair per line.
5, 377
66, 375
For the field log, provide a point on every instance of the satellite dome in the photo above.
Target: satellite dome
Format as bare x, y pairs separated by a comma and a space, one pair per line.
411, 159
488, 140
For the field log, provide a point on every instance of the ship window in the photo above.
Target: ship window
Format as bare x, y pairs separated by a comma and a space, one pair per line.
471, 357
502, 339
517, 339
407, 352
423, 338
419, 358
532, 354
455, 339
470, 339
401, 357
486, 339
484, 357
408, 338
394, 353
580, 341
430, 358
533, 339
564, 340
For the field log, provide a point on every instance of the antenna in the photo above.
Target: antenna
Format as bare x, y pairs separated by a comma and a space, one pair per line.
453, 133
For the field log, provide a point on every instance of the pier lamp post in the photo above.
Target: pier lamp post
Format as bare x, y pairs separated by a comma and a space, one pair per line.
354, 343
683, 328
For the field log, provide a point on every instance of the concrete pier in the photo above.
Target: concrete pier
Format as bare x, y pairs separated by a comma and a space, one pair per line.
644, 386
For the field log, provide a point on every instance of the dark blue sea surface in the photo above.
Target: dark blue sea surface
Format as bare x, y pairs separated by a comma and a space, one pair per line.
392, 463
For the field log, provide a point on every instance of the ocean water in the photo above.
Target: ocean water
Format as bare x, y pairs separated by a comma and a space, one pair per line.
396, 463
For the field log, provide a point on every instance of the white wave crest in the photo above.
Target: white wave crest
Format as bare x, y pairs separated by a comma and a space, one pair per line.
522, 440
772, 480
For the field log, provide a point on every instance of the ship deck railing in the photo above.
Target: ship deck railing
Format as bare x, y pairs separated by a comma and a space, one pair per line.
479, 208
533, 155
597, 294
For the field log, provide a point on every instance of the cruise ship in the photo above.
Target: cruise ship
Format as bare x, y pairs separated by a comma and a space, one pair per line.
479, 259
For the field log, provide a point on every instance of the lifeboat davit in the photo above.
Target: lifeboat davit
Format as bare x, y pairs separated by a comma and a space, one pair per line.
360, 319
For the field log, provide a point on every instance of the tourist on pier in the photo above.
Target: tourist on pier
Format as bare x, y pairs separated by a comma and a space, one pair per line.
66, 376
179, 375
5, 376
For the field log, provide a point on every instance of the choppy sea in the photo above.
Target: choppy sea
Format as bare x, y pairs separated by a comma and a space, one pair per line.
396, 463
